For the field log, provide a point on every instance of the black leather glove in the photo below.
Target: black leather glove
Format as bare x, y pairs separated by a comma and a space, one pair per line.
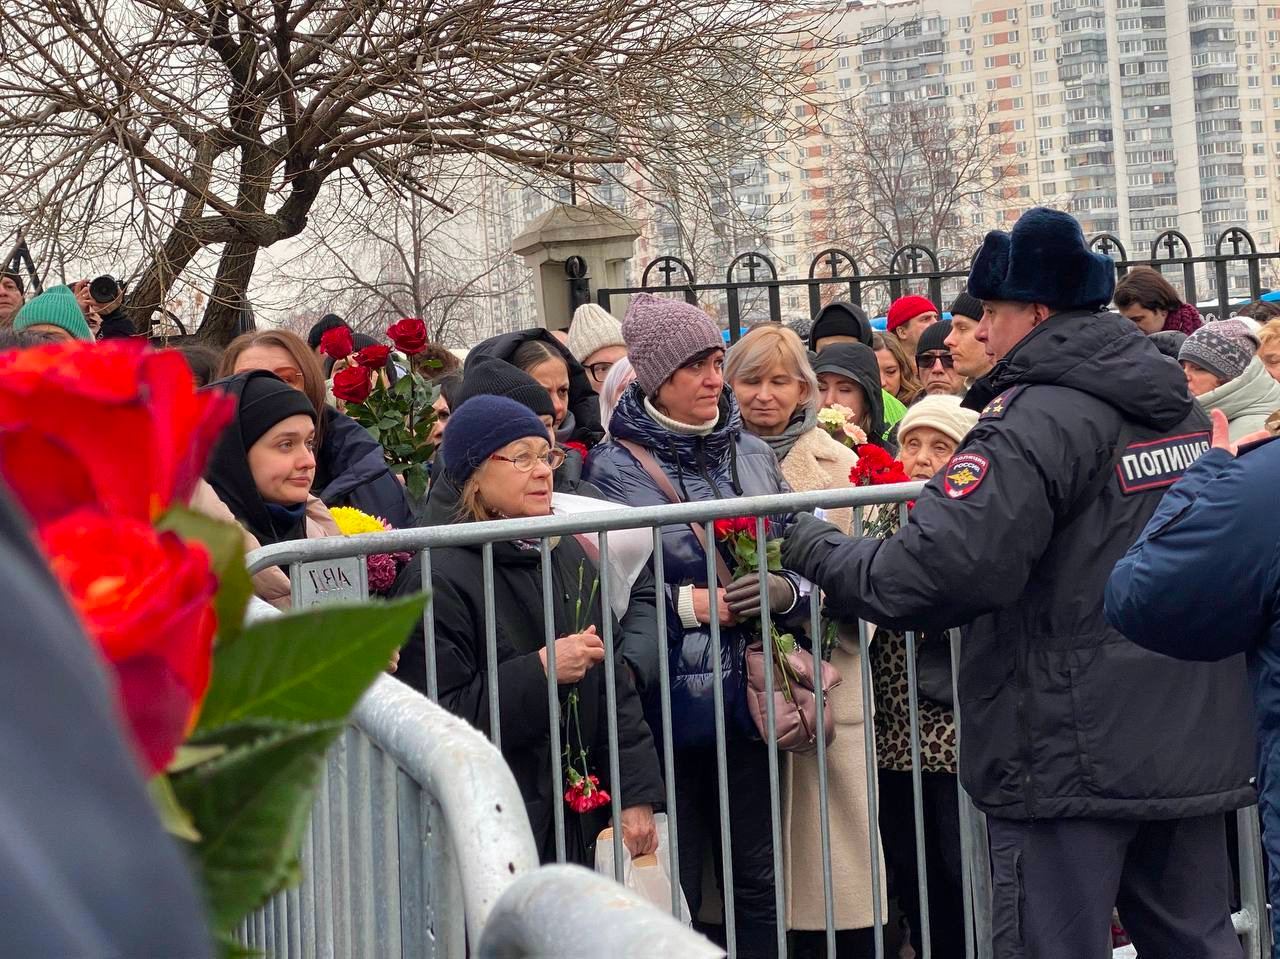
743, 595
807, 543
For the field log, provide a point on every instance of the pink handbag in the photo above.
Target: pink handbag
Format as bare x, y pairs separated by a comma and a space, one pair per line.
796, 722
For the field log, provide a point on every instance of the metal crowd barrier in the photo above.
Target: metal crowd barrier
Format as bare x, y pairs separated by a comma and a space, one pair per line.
418, 839
313, 563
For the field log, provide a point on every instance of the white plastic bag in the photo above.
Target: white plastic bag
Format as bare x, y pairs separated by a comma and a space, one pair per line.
649, 876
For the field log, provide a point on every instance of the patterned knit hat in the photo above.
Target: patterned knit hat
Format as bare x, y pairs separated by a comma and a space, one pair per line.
593, 328
480, 427
56, 306
1223, 348
662, 335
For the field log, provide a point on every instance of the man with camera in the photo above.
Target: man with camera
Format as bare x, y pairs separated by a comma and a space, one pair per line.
102, 300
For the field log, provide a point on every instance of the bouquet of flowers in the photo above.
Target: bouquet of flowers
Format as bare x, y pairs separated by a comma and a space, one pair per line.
103, 445
875, 467
739, 535
382, 568
841, 426
400, 417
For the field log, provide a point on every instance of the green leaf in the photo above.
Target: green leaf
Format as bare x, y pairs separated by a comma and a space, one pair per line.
251, 807
415, 480
310, 666
173, 817
188, 756
228, 948
225, 543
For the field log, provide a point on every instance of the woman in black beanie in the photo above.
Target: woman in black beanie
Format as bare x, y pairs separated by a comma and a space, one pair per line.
264, 464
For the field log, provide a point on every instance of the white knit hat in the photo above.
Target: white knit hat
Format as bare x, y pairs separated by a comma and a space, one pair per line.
593, 328
942, 413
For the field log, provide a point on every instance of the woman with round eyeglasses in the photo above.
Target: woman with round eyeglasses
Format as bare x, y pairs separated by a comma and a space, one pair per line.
351, 466
497, 451
595, 340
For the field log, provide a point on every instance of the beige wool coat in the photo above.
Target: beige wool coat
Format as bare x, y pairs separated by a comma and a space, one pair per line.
818, 462
270, 584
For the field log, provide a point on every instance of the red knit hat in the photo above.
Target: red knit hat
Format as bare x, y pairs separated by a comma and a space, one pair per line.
907, 308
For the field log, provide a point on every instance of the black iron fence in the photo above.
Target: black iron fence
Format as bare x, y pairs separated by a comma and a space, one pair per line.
752, 290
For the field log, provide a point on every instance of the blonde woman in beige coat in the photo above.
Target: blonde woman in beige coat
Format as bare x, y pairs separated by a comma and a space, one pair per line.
777, 393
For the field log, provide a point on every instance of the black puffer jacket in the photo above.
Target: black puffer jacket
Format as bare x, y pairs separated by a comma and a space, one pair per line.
457, 578
584, 406
1062, 716
351, 470
729, 462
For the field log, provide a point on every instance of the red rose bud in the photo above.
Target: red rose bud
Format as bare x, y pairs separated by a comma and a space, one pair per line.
146, 599
337, 342
580, 448
114, 426
373, 357
409, 335
352, 385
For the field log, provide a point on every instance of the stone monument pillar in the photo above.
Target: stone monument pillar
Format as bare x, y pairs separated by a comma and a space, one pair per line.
603, 237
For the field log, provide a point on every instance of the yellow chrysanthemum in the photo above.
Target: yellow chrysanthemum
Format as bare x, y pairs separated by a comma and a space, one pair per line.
353, 522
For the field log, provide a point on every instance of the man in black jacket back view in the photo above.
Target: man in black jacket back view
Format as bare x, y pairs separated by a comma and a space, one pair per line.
1104, 769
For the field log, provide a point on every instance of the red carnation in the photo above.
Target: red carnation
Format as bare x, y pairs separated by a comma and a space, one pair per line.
373, 357
337, 343
352, 385
875, 467
409, 335
579, 448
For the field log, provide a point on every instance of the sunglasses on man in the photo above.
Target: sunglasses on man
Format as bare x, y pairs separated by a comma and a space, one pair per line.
926, 361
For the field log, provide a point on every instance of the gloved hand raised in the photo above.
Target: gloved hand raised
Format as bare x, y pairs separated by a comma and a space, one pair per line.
743, 595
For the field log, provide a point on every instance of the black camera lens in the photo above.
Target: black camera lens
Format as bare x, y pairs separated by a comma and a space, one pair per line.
104, 289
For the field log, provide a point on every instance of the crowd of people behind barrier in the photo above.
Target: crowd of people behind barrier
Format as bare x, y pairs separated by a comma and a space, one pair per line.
1048, 429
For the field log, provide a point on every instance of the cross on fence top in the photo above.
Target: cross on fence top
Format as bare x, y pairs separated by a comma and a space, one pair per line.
833, 262
1171, 244
667, 268
914, 256
1234, 239
752, 263
1105, 246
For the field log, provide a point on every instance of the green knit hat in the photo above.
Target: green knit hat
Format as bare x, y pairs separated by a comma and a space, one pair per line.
56, 306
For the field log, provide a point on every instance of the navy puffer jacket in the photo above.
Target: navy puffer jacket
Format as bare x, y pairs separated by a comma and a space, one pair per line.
728, 462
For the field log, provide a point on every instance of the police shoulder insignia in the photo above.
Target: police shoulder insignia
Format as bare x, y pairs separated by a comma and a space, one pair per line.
964, 474
998, 406
1155, 464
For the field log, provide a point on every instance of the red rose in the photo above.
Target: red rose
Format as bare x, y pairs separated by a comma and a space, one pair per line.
352, 385
146, 598
579, 448
409, 335
337, 342
373, 357
114, 425
875, 467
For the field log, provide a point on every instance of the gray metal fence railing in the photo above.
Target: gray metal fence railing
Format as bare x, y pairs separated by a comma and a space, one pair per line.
418, 838
1251, 920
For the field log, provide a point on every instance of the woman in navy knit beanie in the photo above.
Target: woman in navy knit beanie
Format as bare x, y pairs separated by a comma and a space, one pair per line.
498, 452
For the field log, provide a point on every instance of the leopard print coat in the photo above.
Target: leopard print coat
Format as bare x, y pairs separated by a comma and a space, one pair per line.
893, 713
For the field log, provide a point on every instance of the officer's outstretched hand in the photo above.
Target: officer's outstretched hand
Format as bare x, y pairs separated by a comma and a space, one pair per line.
807, 543
1222, 434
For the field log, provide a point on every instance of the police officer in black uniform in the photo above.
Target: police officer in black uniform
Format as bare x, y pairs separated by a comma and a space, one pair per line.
1104, 769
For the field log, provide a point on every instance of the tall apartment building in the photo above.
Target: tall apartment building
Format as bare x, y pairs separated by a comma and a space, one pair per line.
1137, 116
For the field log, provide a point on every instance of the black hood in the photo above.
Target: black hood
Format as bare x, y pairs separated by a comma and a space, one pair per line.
858, 363
840, 319
583, 403
228, 469
1101, 354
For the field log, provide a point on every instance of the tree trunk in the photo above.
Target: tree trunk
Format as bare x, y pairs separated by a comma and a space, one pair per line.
229, 303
